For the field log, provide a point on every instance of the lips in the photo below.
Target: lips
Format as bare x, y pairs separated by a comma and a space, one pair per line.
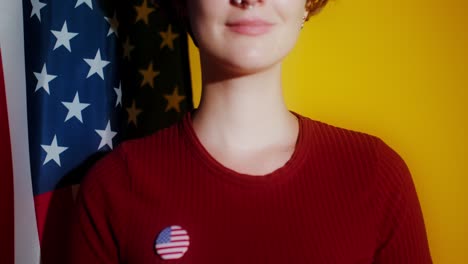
250, 27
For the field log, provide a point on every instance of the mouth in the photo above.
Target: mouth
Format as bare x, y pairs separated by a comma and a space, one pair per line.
250, 27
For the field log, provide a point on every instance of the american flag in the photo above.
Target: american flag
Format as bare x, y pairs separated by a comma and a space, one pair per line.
97, 72
172, 242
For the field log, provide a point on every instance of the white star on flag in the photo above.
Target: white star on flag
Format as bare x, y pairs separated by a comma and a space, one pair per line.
113, 24
96, 65
118, 91
43, 79
53, 151
36, 8
63, 37
88, 2
106, 136
75, 108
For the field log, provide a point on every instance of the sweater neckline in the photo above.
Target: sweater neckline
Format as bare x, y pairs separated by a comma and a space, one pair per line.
281, 174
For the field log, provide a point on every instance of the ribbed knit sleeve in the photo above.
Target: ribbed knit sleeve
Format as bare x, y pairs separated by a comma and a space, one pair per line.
402, 236
99, 226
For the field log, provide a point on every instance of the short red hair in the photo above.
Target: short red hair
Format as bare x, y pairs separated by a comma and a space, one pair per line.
314, 7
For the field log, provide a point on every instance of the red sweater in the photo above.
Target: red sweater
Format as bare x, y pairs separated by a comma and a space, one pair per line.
343, 197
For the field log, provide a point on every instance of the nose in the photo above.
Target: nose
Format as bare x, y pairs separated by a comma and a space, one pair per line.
245, 4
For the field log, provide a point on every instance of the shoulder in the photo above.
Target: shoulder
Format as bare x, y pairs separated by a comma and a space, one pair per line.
113, 168
338, 141
158, 142
352, 151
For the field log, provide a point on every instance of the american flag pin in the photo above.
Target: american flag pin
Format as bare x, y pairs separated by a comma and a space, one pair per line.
172, 242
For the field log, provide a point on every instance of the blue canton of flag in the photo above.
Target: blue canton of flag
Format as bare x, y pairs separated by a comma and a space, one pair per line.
73, 94
164, 236
72, 87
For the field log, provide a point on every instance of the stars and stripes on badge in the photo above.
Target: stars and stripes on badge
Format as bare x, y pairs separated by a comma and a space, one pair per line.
172, 242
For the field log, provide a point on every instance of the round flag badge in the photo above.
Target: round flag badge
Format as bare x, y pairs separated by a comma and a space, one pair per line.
172, 242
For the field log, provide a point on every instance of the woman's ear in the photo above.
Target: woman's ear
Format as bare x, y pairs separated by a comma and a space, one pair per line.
308, 6
306, 15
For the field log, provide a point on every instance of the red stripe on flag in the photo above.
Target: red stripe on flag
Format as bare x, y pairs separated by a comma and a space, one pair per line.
7, 219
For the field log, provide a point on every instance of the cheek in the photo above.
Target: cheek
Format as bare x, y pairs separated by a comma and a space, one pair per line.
291, 11
204, 15
205, 10
287, 40
292, 14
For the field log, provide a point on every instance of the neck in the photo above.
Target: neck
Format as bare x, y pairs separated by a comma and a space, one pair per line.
245, 111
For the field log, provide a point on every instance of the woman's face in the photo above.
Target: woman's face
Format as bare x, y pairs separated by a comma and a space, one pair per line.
244, 40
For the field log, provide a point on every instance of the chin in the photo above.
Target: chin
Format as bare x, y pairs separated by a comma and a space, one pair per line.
243, 58
243, 66
253, 68
251, 62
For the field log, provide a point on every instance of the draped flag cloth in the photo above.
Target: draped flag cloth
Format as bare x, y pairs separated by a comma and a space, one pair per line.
97, 72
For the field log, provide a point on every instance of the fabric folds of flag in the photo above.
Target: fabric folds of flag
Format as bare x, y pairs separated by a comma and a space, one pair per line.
97, 72
6, 180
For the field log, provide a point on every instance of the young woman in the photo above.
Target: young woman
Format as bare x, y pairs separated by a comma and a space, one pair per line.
242, 179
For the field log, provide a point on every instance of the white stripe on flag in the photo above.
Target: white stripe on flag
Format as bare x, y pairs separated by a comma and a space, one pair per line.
181, 232
177, 238
173, 256
172, 250
172, 244
12, 44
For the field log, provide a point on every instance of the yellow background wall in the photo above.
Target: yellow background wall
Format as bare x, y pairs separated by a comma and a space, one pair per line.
396, 69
